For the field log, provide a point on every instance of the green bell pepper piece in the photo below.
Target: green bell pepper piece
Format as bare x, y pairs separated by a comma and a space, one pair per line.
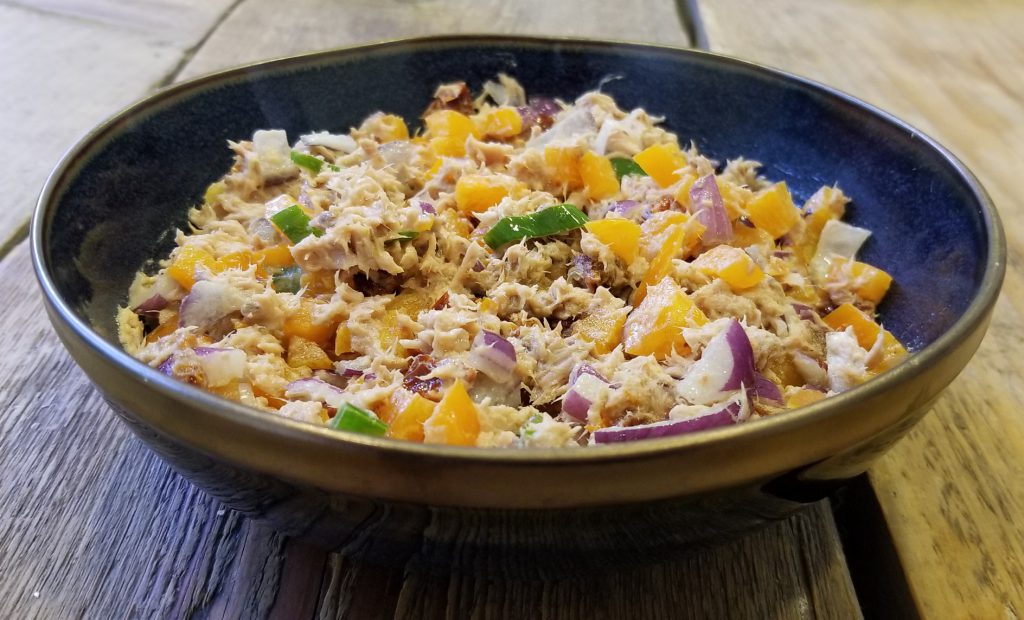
287, 280
294, 224
357, 420
624, 166
549, 221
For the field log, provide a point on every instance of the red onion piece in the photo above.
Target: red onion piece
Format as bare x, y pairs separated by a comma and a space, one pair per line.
707, 206
207, 303
725, 416
426, 207
166, 367
221, 365
152, 305
315, 389
766, 390
539, 111
584, 384
805, 312
494, 356
726, 364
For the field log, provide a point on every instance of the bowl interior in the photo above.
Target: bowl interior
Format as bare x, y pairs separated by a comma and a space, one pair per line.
123, 195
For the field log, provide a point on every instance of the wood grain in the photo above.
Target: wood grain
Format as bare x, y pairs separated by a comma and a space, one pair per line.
93, 525
953, 490
67, 66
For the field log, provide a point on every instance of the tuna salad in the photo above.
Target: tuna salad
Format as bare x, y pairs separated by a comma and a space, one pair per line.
519, 272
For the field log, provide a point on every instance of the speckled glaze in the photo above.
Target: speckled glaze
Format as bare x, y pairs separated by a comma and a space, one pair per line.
111, 205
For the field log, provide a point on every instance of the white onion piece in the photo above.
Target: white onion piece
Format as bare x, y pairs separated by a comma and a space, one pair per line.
274, 154
810, 370
336, 142
707, 206
727, 364
494, 356
838, 239
221, 365
398, 152
315, 389
207, 303
586, 385
577, 122
735, 411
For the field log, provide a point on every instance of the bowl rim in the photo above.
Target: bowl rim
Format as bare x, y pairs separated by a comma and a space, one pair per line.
264, 422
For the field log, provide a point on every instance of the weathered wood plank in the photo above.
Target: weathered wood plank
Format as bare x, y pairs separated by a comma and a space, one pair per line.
66, 66
272, 29
952, 490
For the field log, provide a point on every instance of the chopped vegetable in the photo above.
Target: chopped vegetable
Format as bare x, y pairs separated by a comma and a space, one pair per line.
301, 322
773, 211
626, 167
598, 176
585, 384
494, 356
726, 416
726, 364
342, 340
287, 280
563, 165
185, 263
501, 123
662, 162
294, 224
707, 206
621, 235
358, 420
455, 420
302, 352
867, 331
604, 331
475, 193
549, 221
655, 327
408, 422
309, 162
730, 264
867, 282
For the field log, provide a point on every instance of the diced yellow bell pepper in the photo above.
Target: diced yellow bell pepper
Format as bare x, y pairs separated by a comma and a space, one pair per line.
661, 162
318, 282
598, 176
603, 330
449, 130
828, 203
487, 305
302, 352
655, 327
434, 167
848, 315
744, 236
867, 282
392, 128
277, 256
563, 165
342, 340
730, 264
661, 265
408, 423
773, 211
235, 260
299, 322
476, 192
164, 329
447, 147
455, 420
501, 123
621, 235
803, 397
184, 264
409, 304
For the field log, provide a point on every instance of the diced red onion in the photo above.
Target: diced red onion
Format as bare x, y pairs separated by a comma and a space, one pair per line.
584, 384
766, 390
207, 303
724, 416
152, 305
726, 364
315, 389
493, 355
351, 373
426, 207
805, 312
707, 206
539, 111
221, 365
166, 367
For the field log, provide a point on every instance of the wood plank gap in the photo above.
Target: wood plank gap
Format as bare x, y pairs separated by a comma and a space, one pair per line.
172, 75
19, 235
873, 563
51, 13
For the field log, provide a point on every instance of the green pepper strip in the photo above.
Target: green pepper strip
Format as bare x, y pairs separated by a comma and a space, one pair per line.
309, 162
549, 221
287, 280
624, 166
404, 235
357, 420
294, 224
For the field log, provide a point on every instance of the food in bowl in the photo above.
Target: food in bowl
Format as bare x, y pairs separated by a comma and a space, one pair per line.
521, 273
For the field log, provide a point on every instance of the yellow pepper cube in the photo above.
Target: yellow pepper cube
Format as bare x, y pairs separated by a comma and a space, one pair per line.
235, 260
662, 162
185, 262
655, 327
803, 397
476, 192
773, 211
342, 340
300, 322
867, 282
450, 124
604, 331
392, 128
730, 264
866, 330
390, 329
277, 256
621, 235
502, 123
661, 264
303, 352
563, 166
455, 420
408, 422
598, 176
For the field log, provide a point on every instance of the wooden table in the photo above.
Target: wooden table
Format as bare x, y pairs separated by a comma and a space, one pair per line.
93, 525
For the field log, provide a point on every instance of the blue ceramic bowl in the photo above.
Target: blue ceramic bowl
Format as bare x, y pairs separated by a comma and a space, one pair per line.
112, 204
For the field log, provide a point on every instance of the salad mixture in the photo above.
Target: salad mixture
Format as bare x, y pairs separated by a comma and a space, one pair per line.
521, 272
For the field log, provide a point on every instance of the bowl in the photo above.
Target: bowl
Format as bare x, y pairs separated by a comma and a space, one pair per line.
111, 205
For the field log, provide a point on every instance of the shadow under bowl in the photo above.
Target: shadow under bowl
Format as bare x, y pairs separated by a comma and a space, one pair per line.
112, 204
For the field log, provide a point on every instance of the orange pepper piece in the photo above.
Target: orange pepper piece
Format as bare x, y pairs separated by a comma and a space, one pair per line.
300, 323
563, 165
661, 162
730, 264
598, 176
603, 330
184, 264
455, 420
475, 193
302, 352
655, 327
773, 211
866, 330
408, 423
502, 123
621, 235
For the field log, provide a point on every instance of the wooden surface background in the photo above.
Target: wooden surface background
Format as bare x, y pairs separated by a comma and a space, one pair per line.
93, 525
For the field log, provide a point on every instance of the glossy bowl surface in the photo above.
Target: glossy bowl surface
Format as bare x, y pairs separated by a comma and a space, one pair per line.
111, 205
